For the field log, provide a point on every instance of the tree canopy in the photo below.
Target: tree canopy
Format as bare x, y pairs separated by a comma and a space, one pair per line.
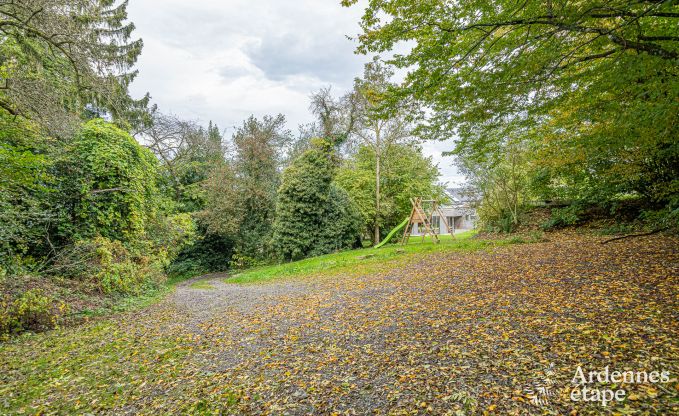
61, 59
589, 87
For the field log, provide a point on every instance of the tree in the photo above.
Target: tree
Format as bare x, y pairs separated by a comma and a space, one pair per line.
376, 130
224, 212
61, 59
406, 173
259, 154
313, 217
108, 185
241, 192
336, 117
595, 79
502, 184
187, 153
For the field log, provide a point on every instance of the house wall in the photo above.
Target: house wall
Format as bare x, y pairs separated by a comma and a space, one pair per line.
465, 219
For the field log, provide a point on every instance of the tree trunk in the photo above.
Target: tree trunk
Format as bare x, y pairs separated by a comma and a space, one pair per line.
377, 201
378, 155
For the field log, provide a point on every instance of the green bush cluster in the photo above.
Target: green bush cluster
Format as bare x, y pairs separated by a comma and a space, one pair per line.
32, 310
114, 268
497, 222
86, 208
241, 261
563, 217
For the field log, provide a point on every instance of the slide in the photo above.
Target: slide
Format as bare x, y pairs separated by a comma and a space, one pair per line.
392, 232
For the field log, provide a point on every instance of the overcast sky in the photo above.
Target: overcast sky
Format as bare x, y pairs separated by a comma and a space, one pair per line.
223, 60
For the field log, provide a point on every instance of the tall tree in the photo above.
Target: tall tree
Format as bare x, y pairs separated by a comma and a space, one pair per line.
405, 172
598, 78
259, 153
336, 117
313, 216
188, 152
62, 58
375, 129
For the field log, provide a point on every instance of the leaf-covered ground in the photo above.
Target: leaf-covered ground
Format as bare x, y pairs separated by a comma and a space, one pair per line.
444, 333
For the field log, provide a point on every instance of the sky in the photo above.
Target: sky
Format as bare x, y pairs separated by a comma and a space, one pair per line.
224, 60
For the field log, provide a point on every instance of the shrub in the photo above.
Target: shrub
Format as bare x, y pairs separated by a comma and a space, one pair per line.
563, 217
112, 266
242, 261
211, 253
32, 310
497, 223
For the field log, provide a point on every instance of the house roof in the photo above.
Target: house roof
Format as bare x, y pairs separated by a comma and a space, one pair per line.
460, 196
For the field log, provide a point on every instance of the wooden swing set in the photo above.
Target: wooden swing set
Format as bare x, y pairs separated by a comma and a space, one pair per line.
422, 214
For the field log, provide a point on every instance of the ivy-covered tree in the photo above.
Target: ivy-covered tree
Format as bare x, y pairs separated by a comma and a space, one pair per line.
107, 186
312, 216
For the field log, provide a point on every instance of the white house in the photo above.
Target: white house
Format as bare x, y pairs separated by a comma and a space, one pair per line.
459, 213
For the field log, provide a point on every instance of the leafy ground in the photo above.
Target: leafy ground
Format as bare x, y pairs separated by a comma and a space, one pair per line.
460, 327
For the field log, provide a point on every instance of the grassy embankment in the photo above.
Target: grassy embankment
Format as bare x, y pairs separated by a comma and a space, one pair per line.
366, 260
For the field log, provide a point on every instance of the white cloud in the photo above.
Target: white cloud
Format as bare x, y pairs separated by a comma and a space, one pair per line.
223, 60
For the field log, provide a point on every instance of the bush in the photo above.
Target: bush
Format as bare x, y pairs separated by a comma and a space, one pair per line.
563, 217
211, 253
111, 265
497, 223
241, 261
32, 310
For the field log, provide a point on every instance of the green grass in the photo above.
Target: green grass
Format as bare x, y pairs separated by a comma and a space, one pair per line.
201, 284
366, 260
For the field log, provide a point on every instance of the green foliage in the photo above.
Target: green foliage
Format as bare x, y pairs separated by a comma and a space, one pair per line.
108, 185
257, 162
32, 310
306, 222
497, 222
241, 261
114, 268
241, 193
563, 217
588, 88
405, 173
666, 218
63, 60
209, 253
340, 225
502, 180
170, 235
25, 183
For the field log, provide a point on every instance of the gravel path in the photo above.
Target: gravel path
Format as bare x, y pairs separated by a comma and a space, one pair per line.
453, 332
458, 333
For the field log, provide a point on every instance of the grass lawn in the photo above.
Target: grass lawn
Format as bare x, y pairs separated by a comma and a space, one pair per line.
201, 284
364, 260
